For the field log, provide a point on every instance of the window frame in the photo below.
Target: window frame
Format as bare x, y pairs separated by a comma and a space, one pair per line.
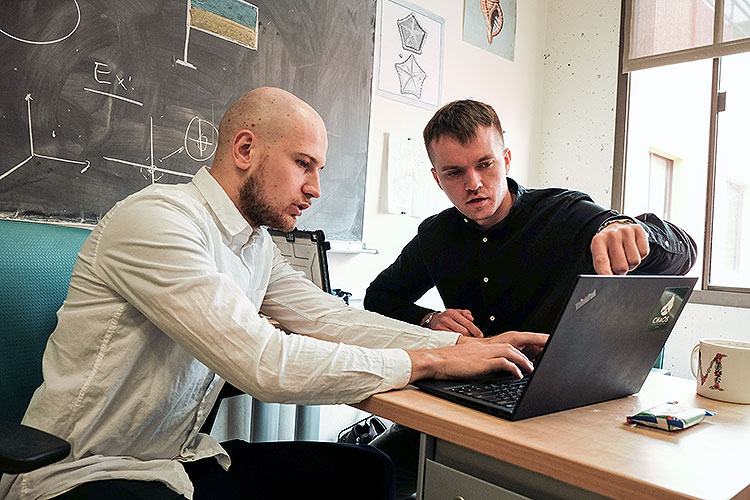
708, 294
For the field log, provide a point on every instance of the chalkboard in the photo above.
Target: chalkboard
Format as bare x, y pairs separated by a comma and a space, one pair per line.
100, 98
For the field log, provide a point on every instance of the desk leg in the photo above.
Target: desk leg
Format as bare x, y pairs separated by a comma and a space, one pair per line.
426, 451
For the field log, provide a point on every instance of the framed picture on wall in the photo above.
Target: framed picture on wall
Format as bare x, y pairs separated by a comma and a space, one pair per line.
409, 53
491, 25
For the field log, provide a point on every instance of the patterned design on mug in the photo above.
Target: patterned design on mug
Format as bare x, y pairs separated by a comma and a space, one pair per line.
716, 365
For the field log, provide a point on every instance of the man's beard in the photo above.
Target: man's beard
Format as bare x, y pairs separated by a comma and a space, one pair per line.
259, 210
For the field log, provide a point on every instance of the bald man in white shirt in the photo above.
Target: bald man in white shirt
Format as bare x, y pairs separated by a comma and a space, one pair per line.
163, 307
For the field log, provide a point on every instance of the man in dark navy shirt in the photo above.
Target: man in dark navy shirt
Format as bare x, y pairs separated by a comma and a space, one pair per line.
505, 257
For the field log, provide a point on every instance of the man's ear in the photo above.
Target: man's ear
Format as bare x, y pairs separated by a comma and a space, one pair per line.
243, 146
434, 176
506, 158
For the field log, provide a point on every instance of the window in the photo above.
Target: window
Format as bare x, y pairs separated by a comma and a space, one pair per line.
660, 185
683, 104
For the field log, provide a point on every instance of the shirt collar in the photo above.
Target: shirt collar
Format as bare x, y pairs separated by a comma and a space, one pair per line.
235, 229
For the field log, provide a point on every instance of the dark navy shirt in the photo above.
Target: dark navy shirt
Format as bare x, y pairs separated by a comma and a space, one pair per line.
516, 275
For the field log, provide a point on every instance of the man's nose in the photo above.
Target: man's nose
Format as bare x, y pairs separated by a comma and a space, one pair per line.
473, 180
312, 186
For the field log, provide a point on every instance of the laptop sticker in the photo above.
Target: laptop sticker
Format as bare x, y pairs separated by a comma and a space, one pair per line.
667, 308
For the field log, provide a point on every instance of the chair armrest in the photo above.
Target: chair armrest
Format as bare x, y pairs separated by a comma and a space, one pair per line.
23, 448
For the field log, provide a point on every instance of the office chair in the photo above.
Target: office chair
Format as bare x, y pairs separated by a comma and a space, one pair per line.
36, 261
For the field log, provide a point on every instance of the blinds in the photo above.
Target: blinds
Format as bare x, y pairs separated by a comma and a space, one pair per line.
662, 32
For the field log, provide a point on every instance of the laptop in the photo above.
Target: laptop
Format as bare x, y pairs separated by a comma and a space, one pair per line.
305, 251
603, 346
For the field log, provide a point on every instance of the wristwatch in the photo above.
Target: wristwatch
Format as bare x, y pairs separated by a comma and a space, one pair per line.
622, 219
426, 321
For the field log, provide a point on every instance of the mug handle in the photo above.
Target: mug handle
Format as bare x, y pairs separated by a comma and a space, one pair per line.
694, 361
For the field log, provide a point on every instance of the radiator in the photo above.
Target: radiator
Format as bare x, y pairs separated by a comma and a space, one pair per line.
242, 417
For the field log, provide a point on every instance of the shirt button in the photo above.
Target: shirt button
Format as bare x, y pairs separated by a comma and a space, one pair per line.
484, 239
466, 220
492, 318
486, 280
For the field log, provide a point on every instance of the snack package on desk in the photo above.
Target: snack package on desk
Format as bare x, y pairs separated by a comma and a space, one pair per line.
670, 416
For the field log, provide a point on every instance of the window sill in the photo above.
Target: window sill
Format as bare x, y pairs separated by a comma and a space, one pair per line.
720, 298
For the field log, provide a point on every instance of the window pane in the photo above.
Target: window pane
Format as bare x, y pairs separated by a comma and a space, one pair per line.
730, 251
661, 26
736, 19
669, 114
660, 186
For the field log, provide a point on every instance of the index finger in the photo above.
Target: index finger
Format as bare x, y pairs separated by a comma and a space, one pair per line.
641, 241
466, 314
516, 359
523, 339
600, 256
468, 324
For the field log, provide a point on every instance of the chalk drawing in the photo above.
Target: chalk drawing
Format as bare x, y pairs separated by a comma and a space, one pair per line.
48, 42
233, 20
33, 154
101, 73
150, 170
205, 146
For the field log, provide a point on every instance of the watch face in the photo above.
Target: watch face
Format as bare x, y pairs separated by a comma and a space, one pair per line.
428, 318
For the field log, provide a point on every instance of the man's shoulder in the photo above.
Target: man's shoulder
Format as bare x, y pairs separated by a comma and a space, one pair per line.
159, 202
553, 196
170, 194
439, 221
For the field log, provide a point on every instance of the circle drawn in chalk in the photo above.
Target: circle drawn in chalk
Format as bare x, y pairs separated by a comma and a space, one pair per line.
48, 42
200, 146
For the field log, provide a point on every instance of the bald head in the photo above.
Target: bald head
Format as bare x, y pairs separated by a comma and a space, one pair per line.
271, 149
269, 113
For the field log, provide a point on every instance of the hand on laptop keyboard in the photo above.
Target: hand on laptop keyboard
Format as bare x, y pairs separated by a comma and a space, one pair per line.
472, 356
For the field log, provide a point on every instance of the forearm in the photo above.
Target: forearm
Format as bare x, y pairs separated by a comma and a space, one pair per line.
395, 290
390, 304
423, 365
672, 250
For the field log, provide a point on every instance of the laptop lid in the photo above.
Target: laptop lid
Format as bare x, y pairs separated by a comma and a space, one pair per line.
603, 346
305, 251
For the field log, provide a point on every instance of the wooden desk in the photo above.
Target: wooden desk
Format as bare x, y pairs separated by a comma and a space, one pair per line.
584, 452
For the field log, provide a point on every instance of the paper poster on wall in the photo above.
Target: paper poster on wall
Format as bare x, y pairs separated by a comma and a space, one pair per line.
409, 54
491, 25
408, 174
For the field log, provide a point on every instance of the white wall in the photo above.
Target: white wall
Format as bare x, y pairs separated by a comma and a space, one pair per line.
580, 85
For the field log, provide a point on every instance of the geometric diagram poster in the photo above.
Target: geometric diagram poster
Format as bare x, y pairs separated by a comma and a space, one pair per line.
491, 25
409, 54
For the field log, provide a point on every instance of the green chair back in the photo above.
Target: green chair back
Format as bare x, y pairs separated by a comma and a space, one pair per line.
36, 261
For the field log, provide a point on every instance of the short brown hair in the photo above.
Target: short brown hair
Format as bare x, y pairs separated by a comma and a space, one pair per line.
460, 120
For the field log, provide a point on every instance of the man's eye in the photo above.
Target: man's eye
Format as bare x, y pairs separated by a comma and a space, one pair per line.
452, 173
486, 164
303, 163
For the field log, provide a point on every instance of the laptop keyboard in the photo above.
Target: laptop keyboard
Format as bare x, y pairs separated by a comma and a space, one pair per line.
505, 394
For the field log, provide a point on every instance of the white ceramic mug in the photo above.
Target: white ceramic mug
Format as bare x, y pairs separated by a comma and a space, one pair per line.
721, 368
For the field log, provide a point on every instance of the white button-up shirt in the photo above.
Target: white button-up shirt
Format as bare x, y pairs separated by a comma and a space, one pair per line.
163, 306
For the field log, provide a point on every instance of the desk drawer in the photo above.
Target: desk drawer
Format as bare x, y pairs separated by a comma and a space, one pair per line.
444, 483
